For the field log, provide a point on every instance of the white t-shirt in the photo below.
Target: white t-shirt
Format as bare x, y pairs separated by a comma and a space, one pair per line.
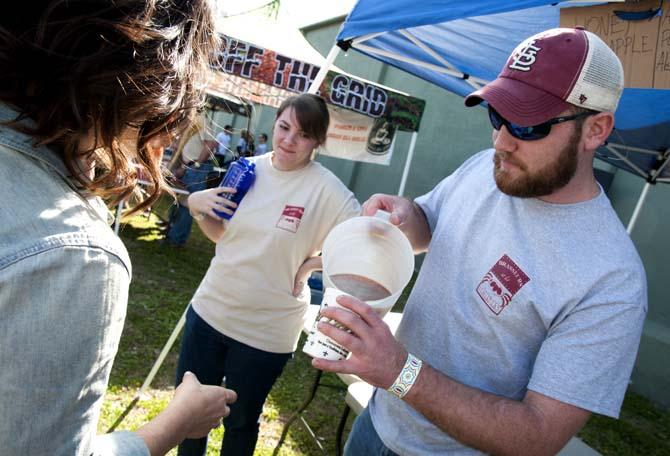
283, 219
223, 140
517, 294
192, 148
261, 149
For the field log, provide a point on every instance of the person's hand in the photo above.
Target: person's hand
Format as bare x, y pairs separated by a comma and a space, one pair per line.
205, 405
194, 411
399, 208
376, 356
406, 215
206, 201
310, 265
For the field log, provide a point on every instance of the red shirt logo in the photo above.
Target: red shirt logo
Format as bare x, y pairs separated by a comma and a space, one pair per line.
501, 283
290, 218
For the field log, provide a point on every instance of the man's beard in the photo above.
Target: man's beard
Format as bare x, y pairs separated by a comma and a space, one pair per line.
552, 177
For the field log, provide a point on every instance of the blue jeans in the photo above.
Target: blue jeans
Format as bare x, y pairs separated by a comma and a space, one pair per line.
363, 439
250, 372
179, 220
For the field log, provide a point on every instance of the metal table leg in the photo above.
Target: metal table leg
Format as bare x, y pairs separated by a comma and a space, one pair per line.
340, 430
298, 413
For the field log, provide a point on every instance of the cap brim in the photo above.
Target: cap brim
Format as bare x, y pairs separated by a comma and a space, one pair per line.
518, 102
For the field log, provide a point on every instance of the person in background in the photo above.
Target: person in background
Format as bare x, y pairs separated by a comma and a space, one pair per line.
88, 95
195, 166
224, 154
518, 327
246, 316
245, 145
262, 146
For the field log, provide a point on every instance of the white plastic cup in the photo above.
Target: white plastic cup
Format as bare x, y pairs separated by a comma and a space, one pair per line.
318, 345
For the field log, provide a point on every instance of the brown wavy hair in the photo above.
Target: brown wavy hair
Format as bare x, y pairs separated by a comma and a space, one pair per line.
312, 115
86, 73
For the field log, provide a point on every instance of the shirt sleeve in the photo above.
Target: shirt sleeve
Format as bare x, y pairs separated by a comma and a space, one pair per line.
338, 205
350, 208
121, 443
587, 357
62, 316
431, 202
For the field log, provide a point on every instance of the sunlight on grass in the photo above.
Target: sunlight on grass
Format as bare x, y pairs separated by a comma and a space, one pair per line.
145, 223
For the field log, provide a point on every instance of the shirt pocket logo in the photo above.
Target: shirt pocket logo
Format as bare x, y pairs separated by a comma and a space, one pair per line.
290, 218
501, 283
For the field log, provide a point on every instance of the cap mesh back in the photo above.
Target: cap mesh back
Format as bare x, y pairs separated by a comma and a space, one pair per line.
600, 82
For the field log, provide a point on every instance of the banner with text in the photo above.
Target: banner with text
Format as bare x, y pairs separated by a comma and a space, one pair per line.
249, 89
279, 72
352, 136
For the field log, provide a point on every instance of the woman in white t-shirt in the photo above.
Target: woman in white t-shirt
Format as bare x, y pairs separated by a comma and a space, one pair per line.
246, 316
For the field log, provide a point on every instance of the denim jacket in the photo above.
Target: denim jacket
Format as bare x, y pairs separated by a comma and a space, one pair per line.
64, 280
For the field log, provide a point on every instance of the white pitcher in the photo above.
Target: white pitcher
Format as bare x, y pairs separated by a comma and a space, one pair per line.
375, 257
374, 249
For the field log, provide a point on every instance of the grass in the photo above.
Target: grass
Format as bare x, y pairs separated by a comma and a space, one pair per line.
165, 278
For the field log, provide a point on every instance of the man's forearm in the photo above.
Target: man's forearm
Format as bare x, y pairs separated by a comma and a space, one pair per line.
537, 425
490, 423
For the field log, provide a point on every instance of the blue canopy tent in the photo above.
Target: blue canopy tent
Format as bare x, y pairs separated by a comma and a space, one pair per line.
462, 44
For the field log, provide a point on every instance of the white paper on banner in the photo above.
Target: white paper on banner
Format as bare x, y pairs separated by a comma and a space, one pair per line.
353, 136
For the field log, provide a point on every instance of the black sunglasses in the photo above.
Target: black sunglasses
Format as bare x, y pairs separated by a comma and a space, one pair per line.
534, 132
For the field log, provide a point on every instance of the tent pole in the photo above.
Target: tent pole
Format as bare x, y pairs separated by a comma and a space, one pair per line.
164, 352
430, 66
323, 71
408, 162
625, 160
159, 362
425, 48
117, 219
638, 208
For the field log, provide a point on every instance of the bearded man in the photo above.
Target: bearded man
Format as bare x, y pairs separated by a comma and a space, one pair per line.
519, 326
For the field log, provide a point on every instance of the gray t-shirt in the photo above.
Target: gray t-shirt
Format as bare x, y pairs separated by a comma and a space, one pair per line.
516, 294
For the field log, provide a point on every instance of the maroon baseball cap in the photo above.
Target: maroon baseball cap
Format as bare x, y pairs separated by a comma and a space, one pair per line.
551, 71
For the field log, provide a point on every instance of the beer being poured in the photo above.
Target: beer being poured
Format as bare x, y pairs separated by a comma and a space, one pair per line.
361, 287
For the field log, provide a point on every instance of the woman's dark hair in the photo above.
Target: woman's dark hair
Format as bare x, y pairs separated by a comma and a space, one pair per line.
312, 115
84, 71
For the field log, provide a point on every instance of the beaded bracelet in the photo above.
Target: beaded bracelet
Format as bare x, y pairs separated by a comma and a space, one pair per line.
406, 377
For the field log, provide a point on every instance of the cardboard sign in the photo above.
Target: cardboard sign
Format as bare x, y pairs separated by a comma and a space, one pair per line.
642, 45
